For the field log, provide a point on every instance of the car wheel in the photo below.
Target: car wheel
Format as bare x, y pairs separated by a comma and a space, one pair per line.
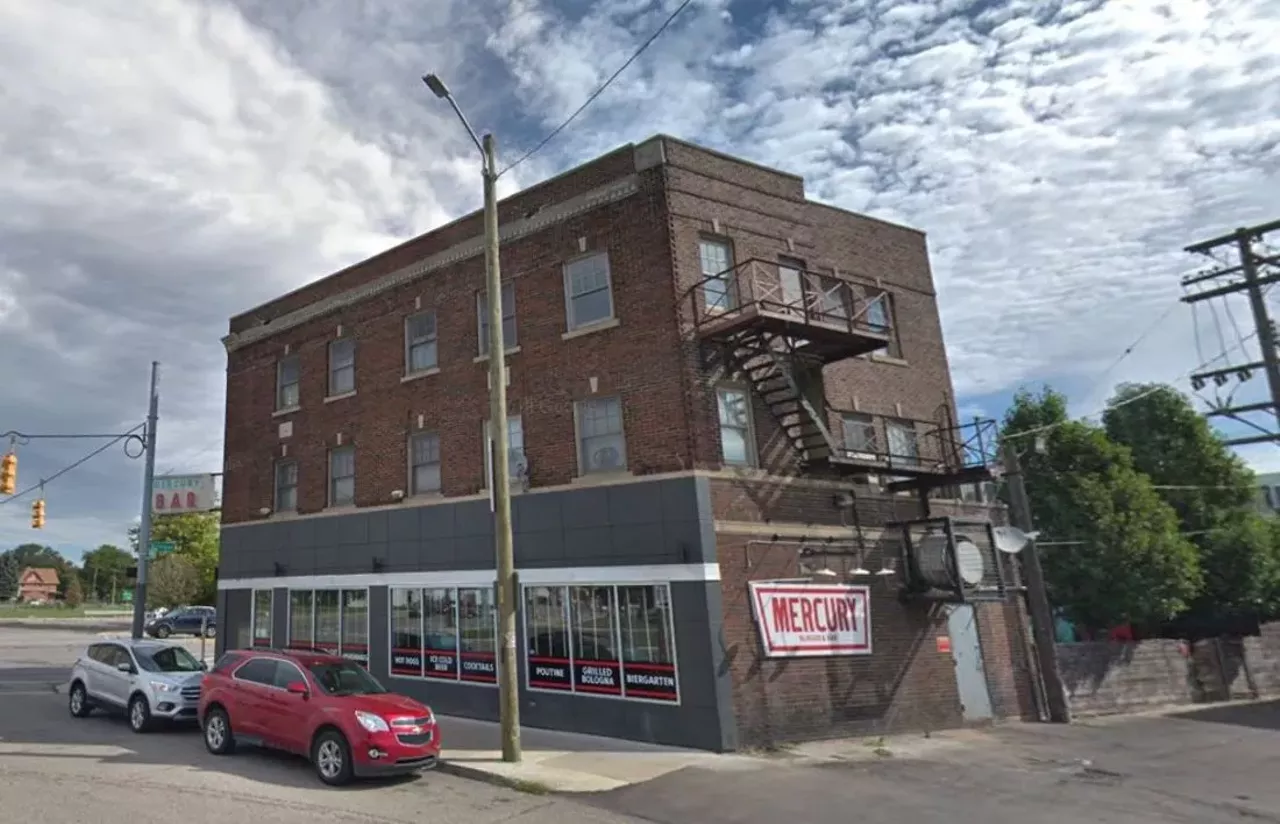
217, 733
210, 632
78, 701
139, 714
332, 758
163, 631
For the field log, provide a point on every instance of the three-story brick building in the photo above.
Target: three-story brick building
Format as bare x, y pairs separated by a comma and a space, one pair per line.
709, 376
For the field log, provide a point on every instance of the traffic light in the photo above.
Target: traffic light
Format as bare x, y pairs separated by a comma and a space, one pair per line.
37, 514
8, 474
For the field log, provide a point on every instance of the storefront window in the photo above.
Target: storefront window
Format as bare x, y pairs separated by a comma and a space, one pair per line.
546, 621
601, 640
406, 632
477, 634
328, 622
260, 627
301, 618
355, 625
440, 634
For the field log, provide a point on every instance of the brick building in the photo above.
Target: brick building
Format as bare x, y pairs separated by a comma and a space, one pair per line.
712, 381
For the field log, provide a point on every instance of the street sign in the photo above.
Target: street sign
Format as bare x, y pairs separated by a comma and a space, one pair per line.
177, 494
159, 548
127, 596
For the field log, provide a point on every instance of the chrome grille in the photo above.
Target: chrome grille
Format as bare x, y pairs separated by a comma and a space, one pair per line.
411, 722
191, 693
414, 740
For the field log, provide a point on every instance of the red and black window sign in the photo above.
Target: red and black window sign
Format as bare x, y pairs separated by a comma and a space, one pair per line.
479, 666
441, 663
549, 673
356, 652
655, 682
602, 677
406, 661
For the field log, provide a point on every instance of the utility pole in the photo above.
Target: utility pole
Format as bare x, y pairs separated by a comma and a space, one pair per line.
144, 527
1245, 276
1037, 596
499, 441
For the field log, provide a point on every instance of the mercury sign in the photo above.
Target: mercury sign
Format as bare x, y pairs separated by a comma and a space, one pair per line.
810, 620
178, 494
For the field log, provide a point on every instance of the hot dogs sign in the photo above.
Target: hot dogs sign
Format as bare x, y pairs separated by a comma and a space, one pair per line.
178, 494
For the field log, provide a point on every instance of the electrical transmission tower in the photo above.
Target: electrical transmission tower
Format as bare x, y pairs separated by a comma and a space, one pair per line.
1250, 267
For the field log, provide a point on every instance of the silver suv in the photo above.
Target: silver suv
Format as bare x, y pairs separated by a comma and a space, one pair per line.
147, 680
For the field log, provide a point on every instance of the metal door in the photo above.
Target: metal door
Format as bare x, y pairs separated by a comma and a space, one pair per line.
966, 652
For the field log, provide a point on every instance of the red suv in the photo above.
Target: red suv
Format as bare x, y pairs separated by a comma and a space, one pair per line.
315, 704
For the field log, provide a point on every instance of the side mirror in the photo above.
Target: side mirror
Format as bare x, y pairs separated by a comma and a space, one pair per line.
125, 666
298, 688
204, 667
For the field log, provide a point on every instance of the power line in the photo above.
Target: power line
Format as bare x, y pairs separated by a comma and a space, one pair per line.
70, 467
1129, 350
591, 99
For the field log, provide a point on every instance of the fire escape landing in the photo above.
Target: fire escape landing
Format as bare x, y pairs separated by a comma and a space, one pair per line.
777, 326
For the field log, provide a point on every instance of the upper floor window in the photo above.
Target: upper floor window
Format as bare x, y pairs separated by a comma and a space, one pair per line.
419, 343
737, 442
288, 376
342, 366
715, 258
588, 291
515, 450
342, 476
508, 318
791, 273
424, 463
859, 434
286, 486
904, 446
833, 299
601, 445
879, 316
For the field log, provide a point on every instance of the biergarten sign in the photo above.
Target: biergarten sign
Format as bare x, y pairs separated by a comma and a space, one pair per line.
799, 620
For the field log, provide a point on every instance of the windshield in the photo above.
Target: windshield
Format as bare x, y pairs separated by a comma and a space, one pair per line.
345, 678
170, 659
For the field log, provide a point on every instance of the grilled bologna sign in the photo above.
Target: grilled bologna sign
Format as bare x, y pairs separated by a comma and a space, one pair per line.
796, 620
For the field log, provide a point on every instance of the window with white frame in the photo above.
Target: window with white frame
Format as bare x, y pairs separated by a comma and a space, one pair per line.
859, 432
588, 291
331, 620
904, 447
286, 486
302, 629
420, 343
715, 259
508, 318
737, 442
601, 444
444, 633
424, 463
260, 630
880, 317
342, 366
515, 451
342, 476
288, 380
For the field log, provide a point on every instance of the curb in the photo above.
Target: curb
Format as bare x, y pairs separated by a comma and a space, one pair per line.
476, 774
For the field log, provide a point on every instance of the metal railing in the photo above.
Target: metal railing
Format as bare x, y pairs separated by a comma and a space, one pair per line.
770, 288
934, 448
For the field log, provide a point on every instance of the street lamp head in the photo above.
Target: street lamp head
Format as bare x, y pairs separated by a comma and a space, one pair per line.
436, 85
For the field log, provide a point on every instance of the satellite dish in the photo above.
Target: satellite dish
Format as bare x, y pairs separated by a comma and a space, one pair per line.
1011, 540
969, 561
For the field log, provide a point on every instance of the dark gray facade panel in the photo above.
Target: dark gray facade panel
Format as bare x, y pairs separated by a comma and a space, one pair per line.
379, 640
647, 522
279, 617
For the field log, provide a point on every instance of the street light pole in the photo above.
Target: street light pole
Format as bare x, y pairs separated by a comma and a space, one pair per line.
144, 525
509, 698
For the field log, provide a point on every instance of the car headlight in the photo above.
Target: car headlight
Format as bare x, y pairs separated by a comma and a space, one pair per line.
163, 686
371, 722
431, 717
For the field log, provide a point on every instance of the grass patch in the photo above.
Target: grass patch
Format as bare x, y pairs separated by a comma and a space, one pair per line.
24, 611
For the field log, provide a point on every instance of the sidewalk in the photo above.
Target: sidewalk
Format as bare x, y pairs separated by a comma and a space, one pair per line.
568, 762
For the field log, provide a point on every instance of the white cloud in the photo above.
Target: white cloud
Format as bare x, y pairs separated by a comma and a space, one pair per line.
171, 163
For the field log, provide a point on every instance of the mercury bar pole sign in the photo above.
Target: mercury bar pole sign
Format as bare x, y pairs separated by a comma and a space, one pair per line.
178, 494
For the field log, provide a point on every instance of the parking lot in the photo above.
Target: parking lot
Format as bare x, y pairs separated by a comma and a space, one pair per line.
54, 768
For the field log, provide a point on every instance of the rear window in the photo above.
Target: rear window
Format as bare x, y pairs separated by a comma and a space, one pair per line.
227, 663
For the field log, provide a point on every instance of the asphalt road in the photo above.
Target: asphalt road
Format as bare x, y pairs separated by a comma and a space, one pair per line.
56, 769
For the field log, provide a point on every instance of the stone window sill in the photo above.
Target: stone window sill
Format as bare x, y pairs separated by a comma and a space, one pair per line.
592, 328
332, 398
425, 373
288, 410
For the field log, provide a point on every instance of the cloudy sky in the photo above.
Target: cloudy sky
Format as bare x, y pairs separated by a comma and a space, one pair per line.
164, 165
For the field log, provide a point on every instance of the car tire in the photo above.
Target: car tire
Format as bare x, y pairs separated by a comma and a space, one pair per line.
210, 632
162, 631
139, 714
218, 738
331, 756
78, 701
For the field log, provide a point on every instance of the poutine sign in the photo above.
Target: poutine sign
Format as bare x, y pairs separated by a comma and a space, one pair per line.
797, 620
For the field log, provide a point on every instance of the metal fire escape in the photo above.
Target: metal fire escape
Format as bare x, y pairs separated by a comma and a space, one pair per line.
777, 326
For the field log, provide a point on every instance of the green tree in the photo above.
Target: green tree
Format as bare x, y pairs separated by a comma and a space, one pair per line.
1213, 492
1126, 561
105, 570
9, 573
74, 593
37, 555
174, 580
196, 538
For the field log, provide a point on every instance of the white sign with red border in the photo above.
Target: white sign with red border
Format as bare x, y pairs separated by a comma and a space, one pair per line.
799, 620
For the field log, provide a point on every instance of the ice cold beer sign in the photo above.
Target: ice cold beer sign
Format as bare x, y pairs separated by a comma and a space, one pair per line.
810, 620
